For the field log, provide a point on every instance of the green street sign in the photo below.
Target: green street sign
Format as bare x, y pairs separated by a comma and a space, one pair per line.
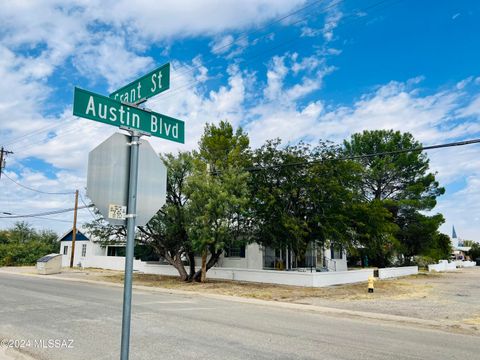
153, 83
108, 111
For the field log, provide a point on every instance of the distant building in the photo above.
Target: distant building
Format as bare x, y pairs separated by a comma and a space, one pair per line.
459, 251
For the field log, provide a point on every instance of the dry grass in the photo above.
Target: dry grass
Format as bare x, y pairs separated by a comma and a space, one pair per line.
387, 289
473, 321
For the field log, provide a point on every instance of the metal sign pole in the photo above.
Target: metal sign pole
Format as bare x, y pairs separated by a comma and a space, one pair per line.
131, 213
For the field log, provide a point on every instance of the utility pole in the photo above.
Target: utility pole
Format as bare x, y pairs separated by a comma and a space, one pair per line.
3, 153
74, 233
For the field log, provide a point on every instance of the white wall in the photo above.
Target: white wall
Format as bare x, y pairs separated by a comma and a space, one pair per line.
254, 255
253, 259
341, 277
387, 273
337, 264
462, 264
93, 249
314, 279
443, 265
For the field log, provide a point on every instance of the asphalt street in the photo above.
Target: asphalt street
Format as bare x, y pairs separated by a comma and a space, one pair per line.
171, 326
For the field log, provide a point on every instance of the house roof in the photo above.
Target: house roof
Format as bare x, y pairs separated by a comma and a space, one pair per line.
79, 237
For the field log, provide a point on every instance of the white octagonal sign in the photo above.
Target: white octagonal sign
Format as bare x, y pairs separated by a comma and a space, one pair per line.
107, 181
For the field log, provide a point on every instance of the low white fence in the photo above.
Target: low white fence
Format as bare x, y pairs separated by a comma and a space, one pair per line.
394, 272
464, 264
443, 265
307, 279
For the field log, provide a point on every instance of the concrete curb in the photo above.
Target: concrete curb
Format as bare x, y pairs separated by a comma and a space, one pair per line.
445, 325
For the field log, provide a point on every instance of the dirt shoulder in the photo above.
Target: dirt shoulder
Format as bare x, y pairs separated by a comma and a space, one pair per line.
445, 297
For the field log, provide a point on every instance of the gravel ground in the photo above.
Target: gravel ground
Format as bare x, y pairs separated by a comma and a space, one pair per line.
452, 296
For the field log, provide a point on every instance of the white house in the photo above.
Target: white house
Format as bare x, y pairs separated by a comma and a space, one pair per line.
89, 253
84, 249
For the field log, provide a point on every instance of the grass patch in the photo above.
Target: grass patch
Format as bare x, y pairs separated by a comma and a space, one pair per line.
384, 289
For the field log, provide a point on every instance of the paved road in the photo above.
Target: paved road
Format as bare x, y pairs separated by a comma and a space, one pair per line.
167, 326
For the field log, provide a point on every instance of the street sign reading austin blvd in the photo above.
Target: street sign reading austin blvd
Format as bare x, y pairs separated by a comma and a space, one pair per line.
108, 111
147, 86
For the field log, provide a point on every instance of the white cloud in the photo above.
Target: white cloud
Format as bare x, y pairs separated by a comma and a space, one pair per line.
462, 209
464, 82
472, 109
331, 22
221, 44
275, 77
107, 57
183, 18
103, 40
99, 38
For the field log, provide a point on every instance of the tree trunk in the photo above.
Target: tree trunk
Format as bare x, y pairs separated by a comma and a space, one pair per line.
191, 260
211, 262
203, 276
180, 267
176, 262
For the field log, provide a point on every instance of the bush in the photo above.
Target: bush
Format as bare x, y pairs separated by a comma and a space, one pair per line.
423, 261
474, 252
16, 254
22, 245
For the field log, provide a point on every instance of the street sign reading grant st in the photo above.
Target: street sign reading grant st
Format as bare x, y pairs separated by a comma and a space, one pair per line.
149, 85
108, 111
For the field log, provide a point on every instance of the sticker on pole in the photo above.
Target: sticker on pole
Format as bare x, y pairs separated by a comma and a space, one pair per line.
117, 212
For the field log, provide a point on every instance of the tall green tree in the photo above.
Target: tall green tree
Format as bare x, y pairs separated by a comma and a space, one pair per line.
301, 196
401, 177
167, 231
401, 182
218, 193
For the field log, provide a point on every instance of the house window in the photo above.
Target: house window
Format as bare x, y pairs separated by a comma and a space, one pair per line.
235, 251
65, 250
84, 250
116, 251
336, 251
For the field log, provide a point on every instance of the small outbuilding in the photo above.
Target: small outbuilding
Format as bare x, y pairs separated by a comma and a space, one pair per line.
50, 264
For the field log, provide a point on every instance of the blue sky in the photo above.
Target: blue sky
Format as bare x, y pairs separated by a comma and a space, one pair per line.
298, 70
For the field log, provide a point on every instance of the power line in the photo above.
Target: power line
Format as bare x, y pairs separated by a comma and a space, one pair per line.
245, 34
37, 131
52, 212
291, 40
357, 157
39, 217
304, 163
38, 191
88, 207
